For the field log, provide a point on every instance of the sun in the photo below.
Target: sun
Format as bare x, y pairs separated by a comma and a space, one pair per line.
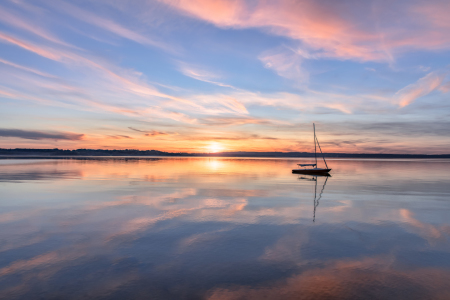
214, 147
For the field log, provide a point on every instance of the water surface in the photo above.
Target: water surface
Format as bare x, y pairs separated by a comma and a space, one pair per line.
218, 228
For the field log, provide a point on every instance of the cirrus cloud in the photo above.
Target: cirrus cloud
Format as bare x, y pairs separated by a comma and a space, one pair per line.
422, 87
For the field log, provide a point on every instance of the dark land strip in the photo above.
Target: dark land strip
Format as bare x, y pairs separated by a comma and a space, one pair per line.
80, 153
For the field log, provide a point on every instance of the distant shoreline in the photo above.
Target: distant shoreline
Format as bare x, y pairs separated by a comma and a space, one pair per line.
88, 153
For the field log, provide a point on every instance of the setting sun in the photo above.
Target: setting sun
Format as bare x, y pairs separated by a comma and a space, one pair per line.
214, 147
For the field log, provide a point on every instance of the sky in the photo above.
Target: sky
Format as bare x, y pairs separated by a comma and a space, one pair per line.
226, 75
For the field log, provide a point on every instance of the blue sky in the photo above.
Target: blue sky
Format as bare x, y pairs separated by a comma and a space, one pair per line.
201, 75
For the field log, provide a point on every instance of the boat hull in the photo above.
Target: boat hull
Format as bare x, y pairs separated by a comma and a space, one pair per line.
311, 171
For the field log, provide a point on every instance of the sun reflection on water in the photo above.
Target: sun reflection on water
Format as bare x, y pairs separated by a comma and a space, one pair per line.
225, 227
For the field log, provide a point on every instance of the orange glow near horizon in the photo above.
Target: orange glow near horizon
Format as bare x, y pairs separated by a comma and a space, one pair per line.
215, 147
301, 143
138, 87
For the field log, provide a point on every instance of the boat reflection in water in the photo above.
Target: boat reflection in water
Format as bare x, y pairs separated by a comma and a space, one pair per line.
316, 197
223, 229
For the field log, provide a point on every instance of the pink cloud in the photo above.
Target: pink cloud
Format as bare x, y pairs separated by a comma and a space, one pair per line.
20, 22
129, 84
345, 30
286, 63
202, 75
233, 121
84, 98
31, 70
161, 113
435, 13
7, 94
321, 27
233, 104
445, 88
311, 101
72, 58
108, 25
30, 47
218, 104
422, 87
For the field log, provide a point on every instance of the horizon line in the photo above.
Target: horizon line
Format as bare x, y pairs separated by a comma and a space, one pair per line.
220, 153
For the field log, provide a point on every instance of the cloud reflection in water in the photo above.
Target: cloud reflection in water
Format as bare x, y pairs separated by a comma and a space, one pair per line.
223, 229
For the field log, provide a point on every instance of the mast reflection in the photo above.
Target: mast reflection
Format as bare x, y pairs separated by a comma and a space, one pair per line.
316, 199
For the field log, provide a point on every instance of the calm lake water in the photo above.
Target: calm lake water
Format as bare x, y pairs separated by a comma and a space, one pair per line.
220, 228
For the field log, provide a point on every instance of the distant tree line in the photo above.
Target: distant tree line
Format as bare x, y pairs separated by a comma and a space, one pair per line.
26, 152
85, 152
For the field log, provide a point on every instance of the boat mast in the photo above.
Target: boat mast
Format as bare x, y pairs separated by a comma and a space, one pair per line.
323, 156
315, 151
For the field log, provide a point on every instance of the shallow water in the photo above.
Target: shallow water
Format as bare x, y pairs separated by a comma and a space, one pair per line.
218, 228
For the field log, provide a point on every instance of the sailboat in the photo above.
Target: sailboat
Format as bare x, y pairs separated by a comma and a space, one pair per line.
312, 168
